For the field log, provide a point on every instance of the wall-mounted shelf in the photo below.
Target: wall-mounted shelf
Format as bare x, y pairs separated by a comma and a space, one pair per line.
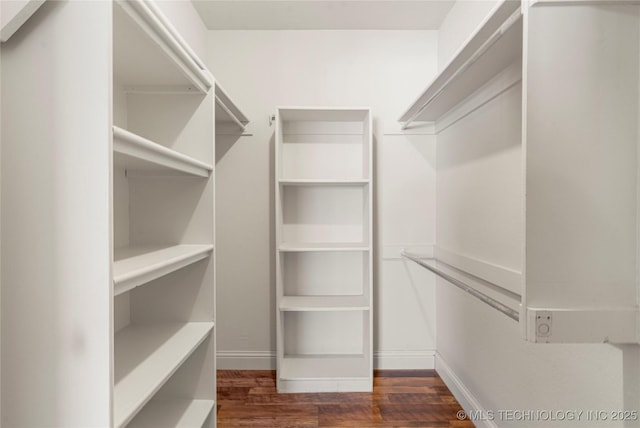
149, 51
324, 303
323, 246
322, 182
139, 155
138, 265
145, 357
227, 111
173, 413
493, 47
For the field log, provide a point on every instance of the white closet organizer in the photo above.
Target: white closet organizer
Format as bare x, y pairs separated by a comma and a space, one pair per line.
324, 254
123, 210
577, 127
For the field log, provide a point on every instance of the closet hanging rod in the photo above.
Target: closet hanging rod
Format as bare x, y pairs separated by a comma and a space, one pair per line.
511, 313
468, 63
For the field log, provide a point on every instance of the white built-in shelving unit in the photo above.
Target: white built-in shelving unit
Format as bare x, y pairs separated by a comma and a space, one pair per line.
324, 249
570, 71
123, 210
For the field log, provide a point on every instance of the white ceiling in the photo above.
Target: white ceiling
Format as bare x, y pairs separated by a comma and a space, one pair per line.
323, 14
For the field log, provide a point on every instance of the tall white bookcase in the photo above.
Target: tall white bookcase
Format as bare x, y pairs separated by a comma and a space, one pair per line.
109, 319
324, 249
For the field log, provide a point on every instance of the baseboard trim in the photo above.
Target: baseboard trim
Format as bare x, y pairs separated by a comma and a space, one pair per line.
466, 399
246, 360
404, 360
386, 360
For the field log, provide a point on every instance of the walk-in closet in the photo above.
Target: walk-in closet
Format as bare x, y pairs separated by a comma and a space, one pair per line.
319, 213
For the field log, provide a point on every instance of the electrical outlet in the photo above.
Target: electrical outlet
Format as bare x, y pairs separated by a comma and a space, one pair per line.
543, 325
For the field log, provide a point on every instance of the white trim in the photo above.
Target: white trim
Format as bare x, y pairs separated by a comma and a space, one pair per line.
392, 251
466, 399
404, 360
502, 82
504, 277
266, 360
28, 8
416, 128
246, 360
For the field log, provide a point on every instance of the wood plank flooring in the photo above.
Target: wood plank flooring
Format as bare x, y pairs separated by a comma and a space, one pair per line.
400, 398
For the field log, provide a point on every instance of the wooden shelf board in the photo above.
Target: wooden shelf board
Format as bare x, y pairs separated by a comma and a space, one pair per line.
457, 81
137, 154
145, 358
324, 303
173, 413
134, 266
324, 367
323, 246
323, 182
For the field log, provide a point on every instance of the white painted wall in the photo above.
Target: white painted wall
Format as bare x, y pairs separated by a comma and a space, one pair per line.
480, 351
381, 69
183, 16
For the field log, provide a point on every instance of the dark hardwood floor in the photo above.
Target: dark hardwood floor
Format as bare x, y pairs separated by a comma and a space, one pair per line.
400, 398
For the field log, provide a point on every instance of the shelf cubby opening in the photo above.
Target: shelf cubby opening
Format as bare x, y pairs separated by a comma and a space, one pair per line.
325, 214
336, 273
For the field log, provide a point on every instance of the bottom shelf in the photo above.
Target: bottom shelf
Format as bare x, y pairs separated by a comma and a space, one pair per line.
325, 373
173, 413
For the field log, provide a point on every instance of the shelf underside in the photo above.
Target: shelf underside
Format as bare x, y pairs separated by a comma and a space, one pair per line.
489, 51
323, 182
146, 53
145, 358
173, 413
135, 266
137, 154
323, 246
324, 303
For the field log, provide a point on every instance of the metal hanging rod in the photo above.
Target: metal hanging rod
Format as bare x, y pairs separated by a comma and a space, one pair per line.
511, 313
468, 63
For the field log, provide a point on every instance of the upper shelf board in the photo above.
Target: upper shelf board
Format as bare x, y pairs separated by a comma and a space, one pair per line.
328, 114
139, 265
494, 46
323, 182
136, 153
227, 111
148, 51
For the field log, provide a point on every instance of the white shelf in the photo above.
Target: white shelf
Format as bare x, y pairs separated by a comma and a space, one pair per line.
227, 111
493, 47
138, 265
324, 303
324, 367
173, 414
323, 246
145, 358
137, 154
148, 51
323, 182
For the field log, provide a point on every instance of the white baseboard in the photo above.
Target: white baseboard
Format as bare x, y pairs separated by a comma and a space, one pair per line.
246, 360
404, 360
265, 360
466, 399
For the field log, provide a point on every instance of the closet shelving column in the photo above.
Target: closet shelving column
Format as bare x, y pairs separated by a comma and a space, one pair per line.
166, 107
324, 249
